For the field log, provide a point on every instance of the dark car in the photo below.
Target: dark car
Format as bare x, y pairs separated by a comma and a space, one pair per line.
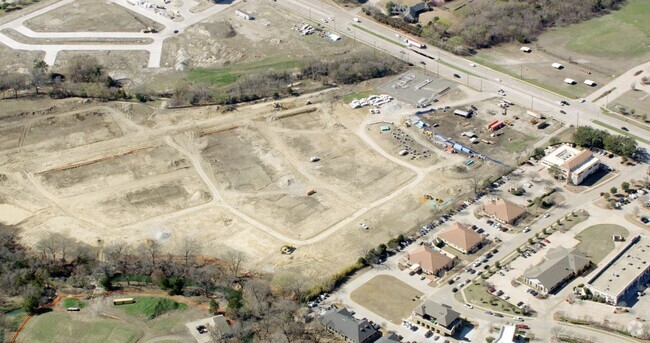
202, 329
624, 128
423, 63
456, 76
454, 289
562, 111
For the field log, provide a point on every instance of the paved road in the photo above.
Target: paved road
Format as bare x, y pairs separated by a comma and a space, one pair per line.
154, 48
479, 77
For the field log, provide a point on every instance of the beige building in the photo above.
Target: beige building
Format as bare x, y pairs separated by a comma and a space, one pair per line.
504, 211
574, 164
438, 318
560, 267
430, 261
461, 238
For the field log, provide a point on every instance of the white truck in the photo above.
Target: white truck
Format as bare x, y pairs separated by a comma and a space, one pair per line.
413, 42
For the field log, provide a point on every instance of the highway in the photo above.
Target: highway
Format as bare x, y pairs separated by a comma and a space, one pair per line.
447, 64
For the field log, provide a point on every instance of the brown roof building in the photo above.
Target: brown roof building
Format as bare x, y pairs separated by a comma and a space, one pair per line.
462, 238
504, 211
431, 262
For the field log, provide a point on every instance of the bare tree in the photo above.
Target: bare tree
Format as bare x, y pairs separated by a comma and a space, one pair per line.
14, 81
234, 259
38, 75
117, 254
151, 248
54, 244
188, 247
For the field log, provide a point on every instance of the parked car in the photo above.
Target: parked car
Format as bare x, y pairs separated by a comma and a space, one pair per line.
518, 319
456, 76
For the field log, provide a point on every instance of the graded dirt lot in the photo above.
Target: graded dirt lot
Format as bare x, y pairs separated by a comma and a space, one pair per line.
238, 180
388, 297
91, 16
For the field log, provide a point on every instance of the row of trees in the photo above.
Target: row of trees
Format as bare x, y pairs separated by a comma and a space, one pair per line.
589, 137
346, 69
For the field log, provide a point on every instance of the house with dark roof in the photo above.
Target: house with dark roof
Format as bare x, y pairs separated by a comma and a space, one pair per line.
412, 15
430, 261
438, 318
341, 322
504, 211
560, 267
461, 238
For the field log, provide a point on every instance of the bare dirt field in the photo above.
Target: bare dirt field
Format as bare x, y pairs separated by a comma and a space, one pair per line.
373, 296
16, 59
238, 180
91, 16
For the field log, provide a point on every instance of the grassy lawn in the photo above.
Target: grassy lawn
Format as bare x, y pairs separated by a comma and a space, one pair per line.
348, 98
227, 75
625, 32
596, 241
619, 131
577, 218
151, 307
388, 297
73, 302
378, 35
62, 327
478, 295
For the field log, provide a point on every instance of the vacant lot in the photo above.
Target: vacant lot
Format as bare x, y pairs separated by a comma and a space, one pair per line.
388, 297
91, 16
637, 101
596, 241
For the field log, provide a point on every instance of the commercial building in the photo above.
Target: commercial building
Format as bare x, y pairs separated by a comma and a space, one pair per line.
504, 211
341, 322
623, 275
429, 261
574, 164
462, 238
438, 318
560, 267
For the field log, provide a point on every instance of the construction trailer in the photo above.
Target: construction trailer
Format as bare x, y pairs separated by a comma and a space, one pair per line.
413, 42
244, 15
557, 66
569, 81
590, 83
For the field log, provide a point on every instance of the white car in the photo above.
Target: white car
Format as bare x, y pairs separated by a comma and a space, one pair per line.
497, 79
582, 101
469, 306
546, 215
526, 229
518, 319
472, 65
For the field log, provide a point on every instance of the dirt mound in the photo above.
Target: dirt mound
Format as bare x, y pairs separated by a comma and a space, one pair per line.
221, 29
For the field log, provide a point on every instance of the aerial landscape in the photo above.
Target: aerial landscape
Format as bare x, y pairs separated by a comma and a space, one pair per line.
325, 171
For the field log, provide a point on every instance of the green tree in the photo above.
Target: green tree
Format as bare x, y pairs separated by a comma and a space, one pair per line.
30, 304
613, 190
606, 195
389, 7
214, 306
626, 187
620, 145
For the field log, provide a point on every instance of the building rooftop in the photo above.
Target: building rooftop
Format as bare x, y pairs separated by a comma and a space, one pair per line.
568, 157
345, 324
503, 209
442, 314
625, 267
506, 334
389, 338
428, 259
460, 236
558, 266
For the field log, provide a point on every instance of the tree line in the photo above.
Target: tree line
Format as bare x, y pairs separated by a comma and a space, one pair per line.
588, 137
488, 23
349, 68
264, 308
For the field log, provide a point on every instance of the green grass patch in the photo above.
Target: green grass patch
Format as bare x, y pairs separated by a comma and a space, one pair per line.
478, 295
619, 131
378, 35
348, 98
622, 33
228, 75
632, 121
61, 327
152, 307
596, 241
73, 302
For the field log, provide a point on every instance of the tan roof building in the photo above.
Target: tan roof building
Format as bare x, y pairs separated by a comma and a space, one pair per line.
431, 261
461, 238
504, 211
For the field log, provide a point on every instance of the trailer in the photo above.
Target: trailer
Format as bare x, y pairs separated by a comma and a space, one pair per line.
413, 42
462, 113
590, 83
534, 114
123, 301
557, 66
526, 49
569, 81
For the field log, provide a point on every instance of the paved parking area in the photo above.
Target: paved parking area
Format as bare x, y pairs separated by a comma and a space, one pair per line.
412, 86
